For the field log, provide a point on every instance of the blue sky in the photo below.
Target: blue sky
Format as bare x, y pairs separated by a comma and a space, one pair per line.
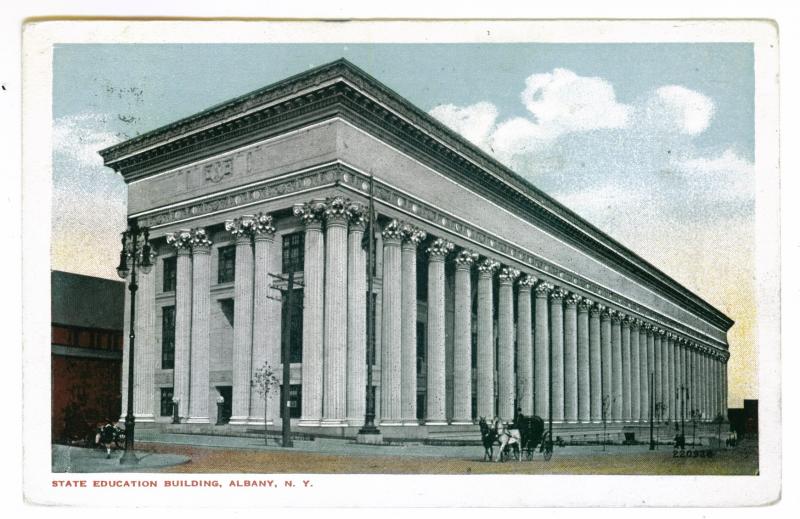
653, 143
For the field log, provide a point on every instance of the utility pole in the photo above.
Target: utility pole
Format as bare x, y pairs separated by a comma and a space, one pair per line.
287, 300
652, 403
369, 433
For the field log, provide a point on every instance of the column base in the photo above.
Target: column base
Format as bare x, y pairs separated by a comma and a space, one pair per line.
143, 418
462, 422
333, 422
259, 422
235, 420
356, 422
391, 423
436, 422
309, 422
411, 423
197, 419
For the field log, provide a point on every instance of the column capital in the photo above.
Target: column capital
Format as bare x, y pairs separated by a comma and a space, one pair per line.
615, 316
662, 332
585, 304
572, 299
357, 215
627, 320
635, 323
241, 227
558, 294
335, 211
392, 232
466, 258
412, 235
439, 248
649, 328
310, 213
543, 289
599, 309
200, 242
526, 281
181, 240
488, 266
507, 275
262, 226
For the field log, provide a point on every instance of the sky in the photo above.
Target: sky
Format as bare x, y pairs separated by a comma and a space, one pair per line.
652, 143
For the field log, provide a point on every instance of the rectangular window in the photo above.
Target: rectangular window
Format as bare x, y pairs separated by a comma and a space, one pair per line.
166, 401
296, 328
295, 400
227, 264
170, 274
421, 354
61, 335
293, 252
168, 337
85, 339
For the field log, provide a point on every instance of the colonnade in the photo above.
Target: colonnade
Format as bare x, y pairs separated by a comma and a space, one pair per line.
539, 347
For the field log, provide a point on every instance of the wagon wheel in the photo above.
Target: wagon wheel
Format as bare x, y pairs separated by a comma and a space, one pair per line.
119, 440
547, 446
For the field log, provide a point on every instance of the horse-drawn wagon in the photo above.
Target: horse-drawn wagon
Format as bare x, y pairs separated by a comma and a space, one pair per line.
523, 437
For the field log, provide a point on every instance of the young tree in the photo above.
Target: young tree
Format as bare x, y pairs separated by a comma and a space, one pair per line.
264, 381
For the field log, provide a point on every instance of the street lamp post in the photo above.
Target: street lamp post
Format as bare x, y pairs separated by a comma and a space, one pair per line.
139, 256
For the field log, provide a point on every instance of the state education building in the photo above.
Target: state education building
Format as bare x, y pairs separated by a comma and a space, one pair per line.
489, 295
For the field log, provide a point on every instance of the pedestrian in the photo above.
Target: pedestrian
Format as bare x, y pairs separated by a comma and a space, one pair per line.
106, 435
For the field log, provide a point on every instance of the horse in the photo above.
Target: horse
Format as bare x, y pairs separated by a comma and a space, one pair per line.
508, 438
488, 438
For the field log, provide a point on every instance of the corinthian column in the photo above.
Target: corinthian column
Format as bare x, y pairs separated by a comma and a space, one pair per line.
266, 319
390, 326
541, 351
485, 397
505, 350
607, 362
145, 352
201, 306
651, 367
644, 372
356, 317
311, 215
334, 364
412, 236
525, 345
462, 339
584, 371
242, 230
616, 366
557, 351
571, 358
636, 396
596, 363
183, 318
671, 395
657, 385
436, 404
665, 396
626, 369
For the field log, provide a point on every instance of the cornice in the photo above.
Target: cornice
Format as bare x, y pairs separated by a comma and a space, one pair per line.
341, 89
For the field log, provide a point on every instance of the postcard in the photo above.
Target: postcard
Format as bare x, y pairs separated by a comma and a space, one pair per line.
401, 263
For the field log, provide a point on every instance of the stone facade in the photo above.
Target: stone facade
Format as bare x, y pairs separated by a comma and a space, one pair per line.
489, 296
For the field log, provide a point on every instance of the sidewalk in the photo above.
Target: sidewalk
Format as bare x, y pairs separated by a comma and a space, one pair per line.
67, 458
349, 447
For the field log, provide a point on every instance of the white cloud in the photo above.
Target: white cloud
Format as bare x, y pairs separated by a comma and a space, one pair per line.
678, 109
79, 137
562, 101
728, 163
475, 122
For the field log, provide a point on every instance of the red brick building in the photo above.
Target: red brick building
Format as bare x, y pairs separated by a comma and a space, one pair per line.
86, 352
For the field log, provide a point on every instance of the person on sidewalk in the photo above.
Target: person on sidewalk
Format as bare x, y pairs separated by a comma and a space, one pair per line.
106, 435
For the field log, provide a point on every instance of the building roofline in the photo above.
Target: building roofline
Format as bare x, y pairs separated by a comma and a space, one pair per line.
588, 235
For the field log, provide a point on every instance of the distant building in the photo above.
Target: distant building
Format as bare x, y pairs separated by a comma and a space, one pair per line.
490, 295
86, 352
745, 419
